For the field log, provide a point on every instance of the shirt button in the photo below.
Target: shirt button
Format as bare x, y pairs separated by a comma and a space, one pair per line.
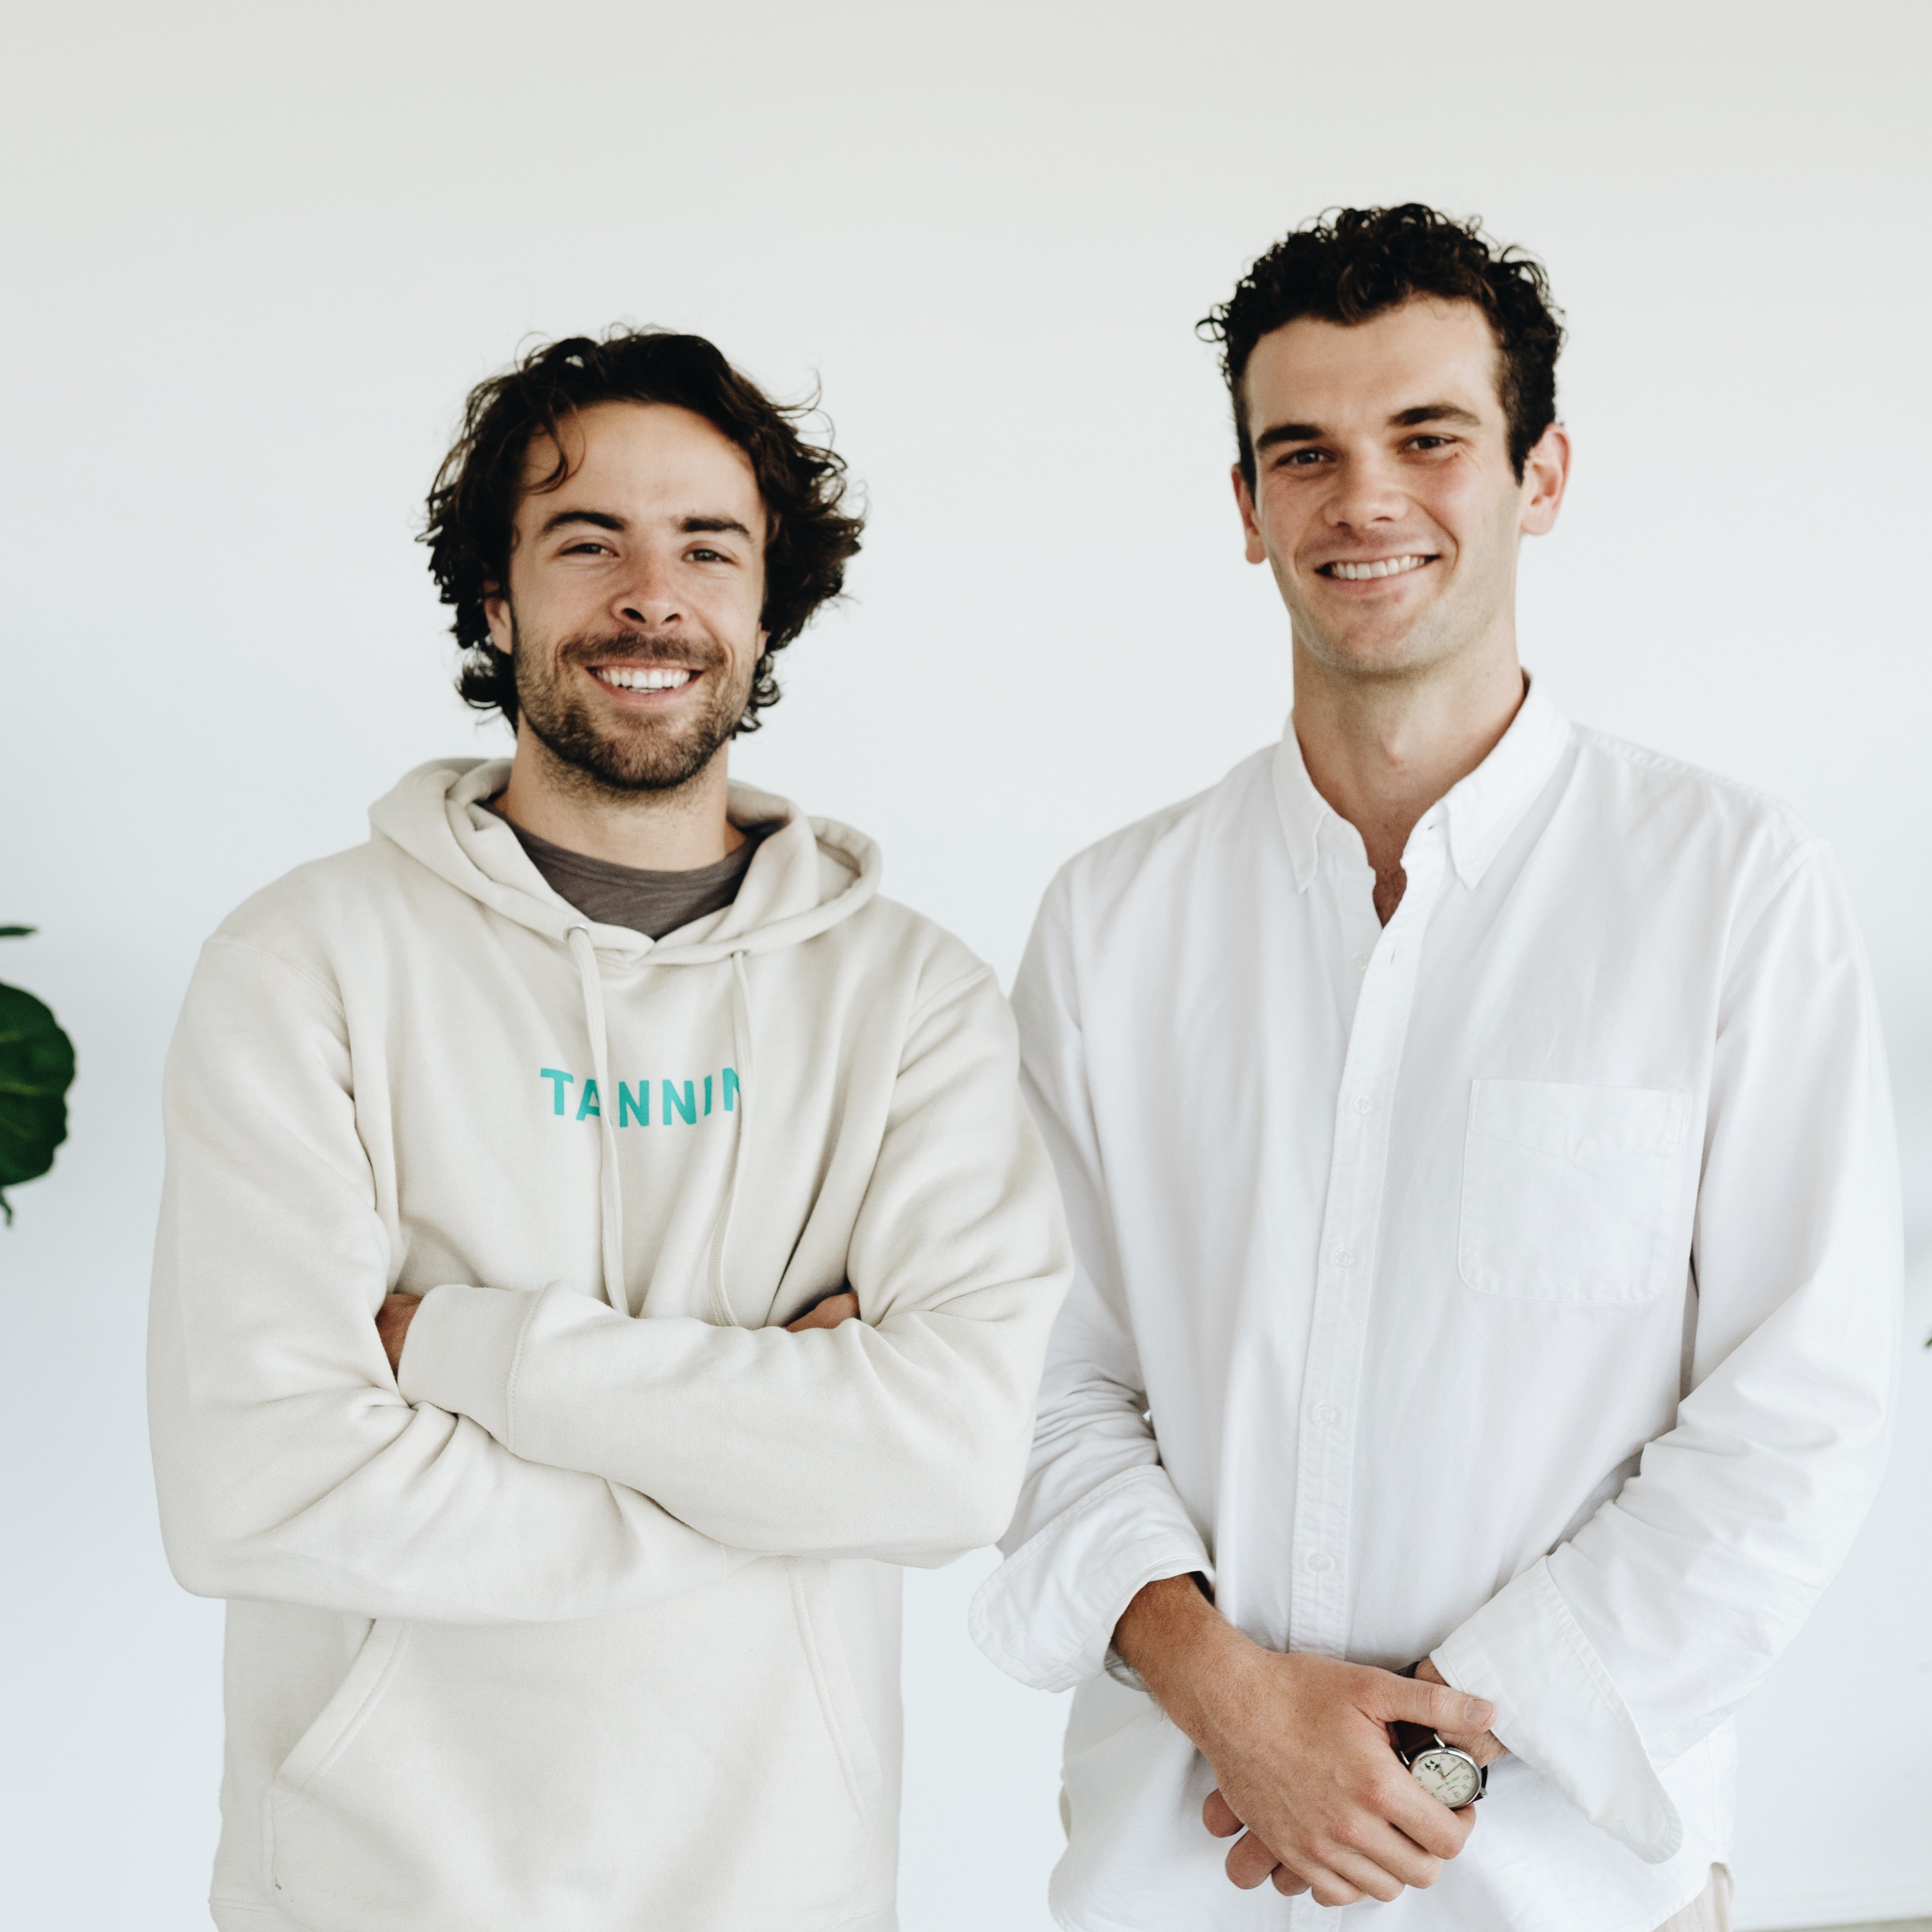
1360, 962
1319, 1560
1363, 1104
1344, 1258
1325, 1412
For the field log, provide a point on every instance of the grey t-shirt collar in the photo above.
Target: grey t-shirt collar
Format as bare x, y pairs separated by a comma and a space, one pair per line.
653, 903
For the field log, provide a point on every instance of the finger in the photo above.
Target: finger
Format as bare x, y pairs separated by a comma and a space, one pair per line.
1328, 1887
1350, 1876
1373, 1847
1426, 1823
1483, 1746
1250, 1862
1287, 1884
1442, 1709
843, 1307
1218, 1815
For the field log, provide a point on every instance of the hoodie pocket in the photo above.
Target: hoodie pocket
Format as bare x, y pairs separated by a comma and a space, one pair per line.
335, 1724
700, 1767
839, 1698
1572, 1193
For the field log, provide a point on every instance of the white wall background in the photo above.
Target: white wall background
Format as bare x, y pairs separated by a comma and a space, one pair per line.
255, 253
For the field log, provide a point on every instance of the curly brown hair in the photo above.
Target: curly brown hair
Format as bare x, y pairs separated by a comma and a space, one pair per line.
1350, 264
810, 537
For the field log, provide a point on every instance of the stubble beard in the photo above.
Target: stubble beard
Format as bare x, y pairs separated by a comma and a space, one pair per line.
644, 754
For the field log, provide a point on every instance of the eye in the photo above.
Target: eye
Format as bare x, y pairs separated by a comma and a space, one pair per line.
705, 555
1303, 459
1428, 443
586, 547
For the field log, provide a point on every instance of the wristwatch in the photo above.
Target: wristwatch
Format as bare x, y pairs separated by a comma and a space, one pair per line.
1451, 1776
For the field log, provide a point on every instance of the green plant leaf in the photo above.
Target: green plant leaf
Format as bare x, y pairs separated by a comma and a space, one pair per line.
36, 1070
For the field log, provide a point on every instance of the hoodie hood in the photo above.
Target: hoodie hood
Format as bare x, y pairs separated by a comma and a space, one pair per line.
806, 877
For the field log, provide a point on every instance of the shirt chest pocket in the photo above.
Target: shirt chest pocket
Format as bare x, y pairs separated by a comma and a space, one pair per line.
1572, 1193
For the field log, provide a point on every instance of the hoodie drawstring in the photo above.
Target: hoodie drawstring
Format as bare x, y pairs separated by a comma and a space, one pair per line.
610, 1188
610, 1185
741, 1061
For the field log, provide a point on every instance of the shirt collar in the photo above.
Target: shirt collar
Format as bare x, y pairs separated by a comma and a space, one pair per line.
1482, 809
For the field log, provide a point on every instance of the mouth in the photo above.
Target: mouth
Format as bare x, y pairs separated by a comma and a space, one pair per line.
653, 680
1375, 569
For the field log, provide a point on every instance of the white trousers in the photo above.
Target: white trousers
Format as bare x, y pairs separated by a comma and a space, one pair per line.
1710, 1911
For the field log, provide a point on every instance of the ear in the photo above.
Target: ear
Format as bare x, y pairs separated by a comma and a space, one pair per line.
1244, 501
1545, 475
496, 615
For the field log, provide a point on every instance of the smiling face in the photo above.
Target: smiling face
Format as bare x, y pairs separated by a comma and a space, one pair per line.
1383, 498
635, 587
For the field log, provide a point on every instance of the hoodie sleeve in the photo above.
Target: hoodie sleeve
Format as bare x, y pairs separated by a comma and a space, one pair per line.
902, 1436
288, 1464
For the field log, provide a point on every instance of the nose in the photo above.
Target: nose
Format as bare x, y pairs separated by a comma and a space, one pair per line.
1367, 491
648, 598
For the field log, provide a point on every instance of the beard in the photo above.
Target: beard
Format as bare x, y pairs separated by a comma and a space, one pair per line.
627, 753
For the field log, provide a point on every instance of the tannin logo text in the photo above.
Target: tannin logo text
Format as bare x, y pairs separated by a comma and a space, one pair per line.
680, 1102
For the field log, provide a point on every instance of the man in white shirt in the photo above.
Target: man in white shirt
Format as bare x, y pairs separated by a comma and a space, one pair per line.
1476, 1138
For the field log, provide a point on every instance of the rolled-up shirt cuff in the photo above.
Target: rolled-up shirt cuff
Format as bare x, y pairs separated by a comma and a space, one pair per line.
1559, 1710
1046, 1616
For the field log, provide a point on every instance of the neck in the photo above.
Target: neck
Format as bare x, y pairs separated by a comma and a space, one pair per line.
1382, 751
674, 831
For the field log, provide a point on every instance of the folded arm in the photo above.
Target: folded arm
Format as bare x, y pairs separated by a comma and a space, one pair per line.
289, 1467
900, 1436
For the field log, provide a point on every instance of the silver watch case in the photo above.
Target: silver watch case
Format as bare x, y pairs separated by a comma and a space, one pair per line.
1450, 1777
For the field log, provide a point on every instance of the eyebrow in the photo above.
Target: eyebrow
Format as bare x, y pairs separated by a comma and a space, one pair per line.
602, 520
1408, 418
1441, 413
598, 520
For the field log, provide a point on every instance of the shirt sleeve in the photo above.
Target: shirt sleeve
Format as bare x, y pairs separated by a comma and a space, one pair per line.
900, 1436
1622, 1649
1099, 1517
288, 1464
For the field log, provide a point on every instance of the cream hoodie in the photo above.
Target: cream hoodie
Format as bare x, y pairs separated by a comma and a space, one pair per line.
592, 1623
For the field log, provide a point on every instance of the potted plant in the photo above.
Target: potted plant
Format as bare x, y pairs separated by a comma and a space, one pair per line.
36, 1070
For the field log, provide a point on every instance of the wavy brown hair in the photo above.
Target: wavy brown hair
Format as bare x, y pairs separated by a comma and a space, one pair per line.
810, 537
1351, 264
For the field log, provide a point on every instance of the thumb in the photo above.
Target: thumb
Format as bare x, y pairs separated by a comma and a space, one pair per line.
1439, 1706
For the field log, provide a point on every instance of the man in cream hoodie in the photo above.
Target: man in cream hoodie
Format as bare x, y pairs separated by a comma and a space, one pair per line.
601, 1238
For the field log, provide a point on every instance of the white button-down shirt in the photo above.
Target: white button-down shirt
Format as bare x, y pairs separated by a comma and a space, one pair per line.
1516, 1282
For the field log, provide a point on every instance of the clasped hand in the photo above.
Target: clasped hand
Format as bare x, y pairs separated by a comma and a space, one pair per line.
1299, 1745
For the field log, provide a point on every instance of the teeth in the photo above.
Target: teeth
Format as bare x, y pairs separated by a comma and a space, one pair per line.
644, 677
1391, 566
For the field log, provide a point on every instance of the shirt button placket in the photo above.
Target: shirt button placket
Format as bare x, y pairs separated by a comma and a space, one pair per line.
1352, 1218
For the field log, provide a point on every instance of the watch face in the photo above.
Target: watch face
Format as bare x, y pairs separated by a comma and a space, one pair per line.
1449, 1775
